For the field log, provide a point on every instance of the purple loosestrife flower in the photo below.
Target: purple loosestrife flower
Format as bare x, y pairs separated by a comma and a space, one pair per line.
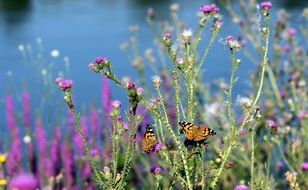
241, 187
156, 170
24, 181
26, 107
56, 152
209, 9
95, 126
44, 163
64, 85
14, 158
10, 118
266, 5
271, 123
304, 166
68, 166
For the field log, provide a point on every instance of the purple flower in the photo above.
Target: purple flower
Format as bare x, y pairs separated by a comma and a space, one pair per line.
151, 13
209, 9
156, 170
24, 181
304, 166
241, 187
26, 107
292, 32
91, 66
218, 24
229, 38
63, 84
126, 126
158, 147
140, 91
302, 115
130, 85
116, 104
271, 123
266, 5
167, 36
101, 60
179, 60
286, 48
119, 119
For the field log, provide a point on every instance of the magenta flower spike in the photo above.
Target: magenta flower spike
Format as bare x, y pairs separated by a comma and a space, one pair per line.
241, 187
24, 181
26, 107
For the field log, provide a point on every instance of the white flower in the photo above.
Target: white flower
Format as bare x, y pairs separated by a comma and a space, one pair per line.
21, 47
243, 101
187, 33
27, 139
54, 53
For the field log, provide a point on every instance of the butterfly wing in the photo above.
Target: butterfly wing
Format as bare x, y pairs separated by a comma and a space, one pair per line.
194, 132
189, 129
149, 140
203, 132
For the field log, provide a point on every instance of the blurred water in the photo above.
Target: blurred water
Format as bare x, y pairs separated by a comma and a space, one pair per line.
83, 30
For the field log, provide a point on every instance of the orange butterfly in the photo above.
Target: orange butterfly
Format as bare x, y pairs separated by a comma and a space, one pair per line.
196, 133
149, 140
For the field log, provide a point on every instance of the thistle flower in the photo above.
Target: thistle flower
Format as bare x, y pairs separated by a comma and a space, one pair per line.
232, 44
209, 9
187, 34
140, 91
167, 39
151, 13
158, 147
116, 104
64, 85
130, 85
266, 5
156, 81
217, 24
156, 170
292, 32
241, 187
179, 60
304, 166
271, 123
244, 102
101, 60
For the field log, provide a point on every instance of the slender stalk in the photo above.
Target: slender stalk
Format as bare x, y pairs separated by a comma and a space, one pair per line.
252, 157
274, 86
248, 113
177, 142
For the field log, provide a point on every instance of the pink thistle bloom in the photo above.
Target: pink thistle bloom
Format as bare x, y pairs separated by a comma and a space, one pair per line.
241, 187
101, 60
91, 66
156, 170
158, 147
116, 104
304, 166
130, 85
24, 181
272, 124
140, 91
126, 126
209, 9
63, 84
179, 60
292, 32
266, 5
167, 37
218, 24
229, 38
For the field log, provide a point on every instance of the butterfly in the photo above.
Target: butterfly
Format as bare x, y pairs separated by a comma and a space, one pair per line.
149, 140
195, 133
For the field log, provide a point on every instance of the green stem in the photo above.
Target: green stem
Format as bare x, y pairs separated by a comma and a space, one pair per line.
252, 161
248, 113
177, 142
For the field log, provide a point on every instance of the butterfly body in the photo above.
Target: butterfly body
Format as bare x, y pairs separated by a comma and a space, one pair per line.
149, 140
196, 133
